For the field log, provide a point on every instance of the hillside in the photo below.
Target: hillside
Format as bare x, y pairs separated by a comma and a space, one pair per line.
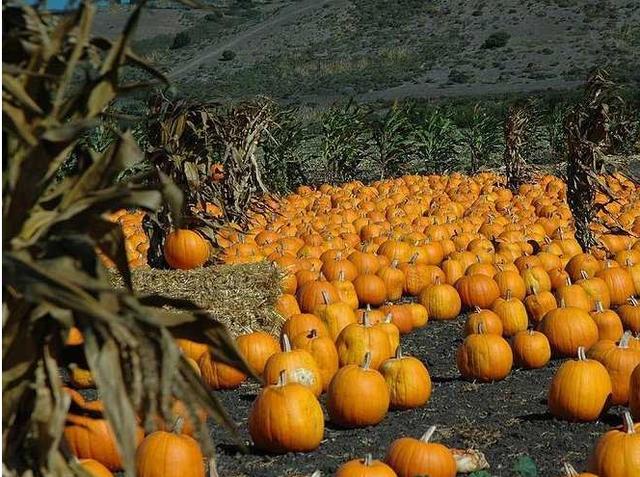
314, 50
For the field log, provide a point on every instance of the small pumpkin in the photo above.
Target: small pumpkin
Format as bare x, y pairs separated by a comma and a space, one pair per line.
539, 304
218, 375
569, 471
608, 322
358, 395
299, 367
401, 317
441, 301
408, 381
567, 329
512, 313
95, 468
620, 284
411, 457
371, 289
286, 417
185, 249
477, 290
531, 349
169, 454
256, 348
491, 323
358, 339
366, 467
617, 452
324, 352
580, 389
484, 357
630, 315
335, 316
301, 324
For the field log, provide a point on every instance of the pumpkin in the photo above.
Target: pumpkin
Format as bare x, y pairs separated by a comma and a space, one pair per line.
286, 306
419, 314
574, 296
358, 395
620, 361
411, 457
366, 467
346, 292
92, 438
536, 279
580, 389
256, 348
298, 365
339, 267
286, 417
335, 316
538, 304
301, 325
617, 452
393, 279
441, 301
608, 322
583, 264
484, 357
630, 315
324, 352
192, 349
310, 295
634, 393
491, 323
620, 284
531, 349
567, 329
358, 339
371, 289
74, 338
169, 454
185, 249
597, 290
80, 378
95, 468
401, 317
477, 290
218, 375
510, 281
512, 313
408, 381
179, 409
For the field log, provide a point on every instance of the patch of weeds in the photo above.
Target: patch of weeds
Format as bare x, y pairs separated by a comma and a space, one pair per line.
497, 39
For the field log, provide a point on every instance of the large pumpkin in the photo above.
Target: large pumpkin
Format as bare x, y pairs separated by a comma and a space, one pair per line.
617, 452
286, 417
169, 454
579, 390
185, 249
358, 395
408, 381
484, 357
567, 329
411, 457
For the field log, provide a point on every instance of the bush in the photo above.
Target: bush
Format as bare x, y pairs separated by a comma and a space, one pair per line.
181, 40
227, 55
496, 40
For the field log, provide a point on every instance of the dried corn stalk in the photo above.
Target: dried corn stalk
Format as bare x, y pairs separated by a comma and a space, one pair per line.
516, 129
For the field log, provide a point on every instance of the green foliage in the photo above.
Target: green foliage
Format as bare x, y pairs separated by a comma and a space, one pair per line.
480, 136
391, 140
181, 40
436, 138
344, 140
480, 473
228, 55
497, 39
525, 467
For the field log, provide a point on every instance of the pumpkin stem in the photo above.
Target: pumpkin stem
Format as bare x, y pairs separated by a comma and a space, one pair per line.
584, 276
388, 318
427, 435
569, 470
286, 343
340, 276
480, 328
567, 280
562, 303
477, 309
178, 425
633, 300
365, 319
599, 306
581, 354
624, 341
508, 294
394, 263
368, 460
399, 354
325, 295
628, 425
366, 363
282, 378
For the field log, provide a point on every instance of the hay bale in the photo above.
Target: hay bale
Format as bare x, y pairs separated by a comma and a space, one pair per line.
240, 296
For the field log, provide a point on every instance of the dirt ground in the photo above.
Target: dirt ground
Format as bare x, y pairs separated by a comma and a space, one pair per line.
505, 420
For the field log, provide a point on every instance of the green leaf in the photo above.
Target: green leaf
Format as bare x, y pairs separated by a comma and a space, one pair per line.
525, 467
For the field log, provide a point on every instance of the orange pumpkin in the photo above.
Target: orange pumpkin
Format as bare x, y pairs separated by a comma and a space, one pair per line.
185, 249
410, 457
408, 381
